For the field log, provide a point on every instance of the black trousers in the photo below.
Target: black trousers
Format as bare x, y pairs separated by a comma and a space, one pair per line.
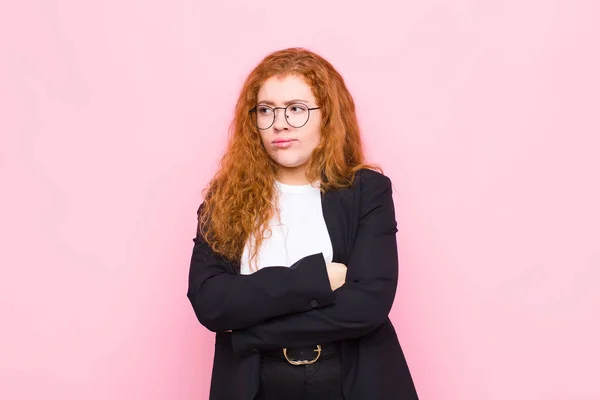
280, 380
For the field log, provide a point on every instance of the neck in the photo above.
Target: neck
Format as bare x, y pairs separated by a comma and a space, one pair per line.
292, 176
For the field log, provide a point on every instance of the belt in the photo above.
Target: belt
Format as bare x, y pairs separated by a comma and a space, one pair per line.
304, 355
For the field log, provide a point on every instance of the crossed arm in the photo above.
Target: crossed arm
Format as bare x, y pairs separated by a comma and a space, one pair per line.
284, 307
223, 300
362, 304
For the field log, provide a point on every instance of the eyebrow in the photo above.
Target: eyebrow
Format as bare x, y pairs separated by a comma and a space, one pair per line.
270, 103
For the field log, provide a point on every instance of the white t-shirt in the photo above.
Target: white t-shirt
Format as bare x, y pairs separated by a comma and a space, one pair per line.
302, 231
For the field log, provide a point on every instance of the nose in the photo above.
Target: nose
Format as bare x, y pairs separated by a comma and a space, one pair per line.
280, 122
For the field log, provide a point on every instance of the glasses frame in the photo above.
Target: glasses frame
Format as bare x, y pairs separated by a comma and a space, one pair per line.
254, 109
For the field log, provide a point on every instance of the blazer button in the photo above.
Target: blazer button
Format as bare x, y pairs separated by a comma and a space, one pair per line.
314, 303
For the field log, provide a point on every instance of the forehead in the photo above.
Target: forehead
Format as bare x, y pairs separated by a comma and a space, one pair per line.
281, 89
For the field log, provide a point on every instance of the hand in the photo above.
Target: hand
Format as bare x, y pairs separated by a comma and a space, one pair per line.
337, 274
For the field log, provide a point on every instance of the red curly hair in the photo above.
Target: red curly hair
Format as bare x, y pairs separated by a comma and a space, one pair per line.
238, 199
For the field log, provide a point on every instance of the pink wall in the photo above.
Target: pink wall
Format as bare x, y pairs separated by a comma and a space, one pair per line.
484, 113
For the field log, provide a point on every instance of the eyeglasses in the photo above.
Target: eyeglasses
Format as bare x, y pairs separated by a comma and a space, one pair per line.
296, 115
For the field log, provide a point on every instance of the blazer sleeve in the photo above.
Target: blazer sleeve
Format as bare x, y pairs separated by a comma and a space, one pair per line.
223, 299
362, 303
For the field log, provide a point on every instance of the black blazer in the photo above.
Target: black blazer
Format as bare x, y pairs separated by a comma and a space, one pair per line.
279, 307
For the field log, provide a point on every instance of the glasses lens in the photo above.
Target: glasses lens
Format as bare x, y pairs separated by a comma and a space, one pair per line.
296, 115
263, 117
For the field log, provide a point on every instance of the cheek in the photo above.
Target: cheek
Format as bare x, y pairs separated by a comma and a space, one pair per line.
315, 131
264, 139
314, 137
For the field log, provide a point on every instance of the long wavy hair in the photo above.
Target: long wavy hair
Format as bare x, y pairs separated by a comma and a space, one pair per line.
238, 199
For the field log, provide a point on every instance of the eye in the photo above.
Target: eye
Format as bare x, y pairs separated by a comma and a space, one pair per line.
264, 110
298, 108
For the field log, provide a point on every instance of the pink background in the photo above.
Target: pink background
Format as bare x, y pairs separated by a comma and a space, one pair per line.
485, 114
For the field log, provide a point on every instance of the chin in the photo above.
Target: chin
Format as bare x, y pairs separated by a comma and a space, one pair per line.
290, 162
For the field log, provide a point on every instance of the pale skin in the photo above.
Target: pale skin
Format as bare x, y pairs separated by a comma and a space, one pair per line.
293, 160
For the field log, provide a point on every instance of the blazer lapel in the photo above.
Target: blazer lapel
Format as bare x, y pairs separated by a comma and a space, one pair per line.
337, 207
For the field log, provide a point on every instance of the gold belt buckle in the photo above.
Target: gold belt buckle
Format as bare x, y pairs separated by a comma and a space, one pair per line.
302, 362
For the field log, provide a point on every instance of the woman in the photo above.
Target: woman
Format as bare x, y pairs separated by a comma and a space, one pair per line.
294, 264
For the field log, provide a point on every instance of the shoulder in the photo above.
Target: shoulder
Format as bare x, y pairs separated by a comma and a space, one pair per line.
367, 181
374, 198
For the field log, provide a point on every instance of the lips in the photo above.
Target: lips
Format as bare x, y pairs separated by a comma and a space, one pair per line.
283, 143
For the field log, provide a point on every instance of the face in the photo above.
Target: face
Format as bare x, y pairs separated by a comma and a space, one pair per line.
286, 143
